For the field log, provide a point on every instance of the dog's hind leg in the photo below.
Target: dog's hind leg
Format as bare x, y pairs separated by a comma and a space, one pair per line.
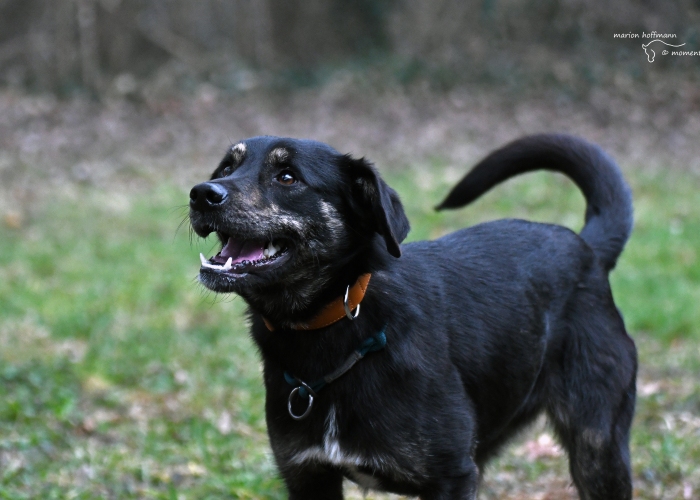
591, 403
599, 457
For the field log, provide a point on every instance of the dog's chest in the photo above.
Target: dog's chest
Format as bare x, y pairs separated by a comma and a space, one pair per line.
361, 467
330, 451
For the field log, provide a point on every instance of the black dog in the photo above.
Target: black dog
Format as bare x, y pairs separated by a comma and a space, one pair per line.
465, 339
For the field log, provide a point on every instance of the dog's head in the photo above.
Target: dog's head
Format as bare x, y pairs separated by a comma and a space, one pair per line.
292, 215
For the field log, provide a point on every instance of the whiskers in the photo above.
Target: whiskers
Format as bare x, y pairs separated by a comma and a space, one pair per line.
184, 212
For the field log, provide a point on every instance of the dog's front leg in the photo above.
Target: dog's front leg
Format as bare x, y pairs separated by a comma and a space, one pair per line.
454, 488
314, 483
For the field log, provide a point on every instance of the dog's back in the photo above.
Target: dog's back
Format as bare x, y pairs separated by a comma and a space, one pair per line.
608, 197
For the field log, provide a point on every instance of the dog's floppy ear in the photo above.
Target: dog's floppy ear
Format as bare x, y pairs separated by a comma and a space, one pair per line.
377, 203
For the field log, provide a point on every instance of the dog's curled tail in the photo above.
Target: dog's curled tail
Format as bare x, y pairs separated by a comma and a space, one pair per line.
608, 197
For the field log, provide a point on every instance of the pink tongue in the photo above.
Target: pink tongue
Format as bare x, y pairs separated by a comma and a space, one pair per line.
242, 250
251, 251
232, 248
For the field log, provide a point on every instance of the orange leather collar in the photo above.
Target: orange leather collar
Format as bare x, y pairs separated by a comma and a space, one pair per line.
335, 311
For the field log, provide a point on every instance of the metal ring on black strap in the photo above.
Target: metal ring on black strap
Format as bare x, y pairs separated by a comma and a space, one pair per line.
308, 408
348, 312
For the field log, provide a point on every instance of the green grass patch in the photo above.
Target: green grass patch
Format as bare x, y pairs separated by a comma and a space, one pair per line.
123, 378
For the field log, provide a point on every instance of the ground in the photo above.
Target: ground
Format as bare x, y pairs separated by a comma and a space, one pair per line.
122, 378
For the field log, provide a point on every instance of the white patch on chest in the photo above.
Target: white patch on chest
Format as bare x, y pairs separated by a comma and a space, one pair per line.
330, 451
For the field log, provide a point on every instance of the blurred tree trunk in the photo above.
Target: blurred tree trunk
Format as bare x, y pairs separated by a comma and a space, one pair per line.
263, 47
89, 49
39, 48
65, 46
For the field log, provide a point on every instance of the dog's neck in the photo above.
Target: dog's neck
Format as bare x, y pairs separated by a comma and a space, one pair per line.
299, 302
337, 309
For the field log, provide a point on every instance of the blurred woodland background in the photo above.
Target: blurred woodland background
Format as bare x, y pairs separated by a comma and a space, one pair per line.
241, 44
120, 378
392, 79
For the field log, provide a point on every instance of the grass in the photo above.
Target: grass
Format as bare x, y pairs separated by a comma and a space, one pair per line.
121, 378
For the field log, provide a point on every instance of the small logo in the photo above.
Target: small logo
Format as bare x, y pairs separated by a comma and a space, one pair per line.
650, 52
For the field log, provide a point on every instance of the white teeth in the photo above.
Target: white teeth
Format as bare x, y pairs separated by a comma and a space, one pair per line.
205, 263
270, 250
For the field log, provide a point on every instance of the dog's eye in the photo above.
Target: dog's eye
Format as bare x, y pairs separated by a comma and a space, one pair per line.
286, 177
227, 171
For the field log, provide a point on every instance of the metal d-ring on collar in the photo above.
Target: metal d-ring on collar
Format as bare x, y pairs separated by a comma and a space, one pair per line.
348, 312
295, 391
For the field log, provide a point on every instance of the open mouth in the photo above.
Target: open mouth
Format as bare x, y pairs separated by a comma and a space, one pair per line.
242, 256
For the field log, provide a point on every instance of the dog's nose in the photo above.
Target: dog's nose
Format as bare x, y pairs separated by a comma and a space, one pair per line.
207, 196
